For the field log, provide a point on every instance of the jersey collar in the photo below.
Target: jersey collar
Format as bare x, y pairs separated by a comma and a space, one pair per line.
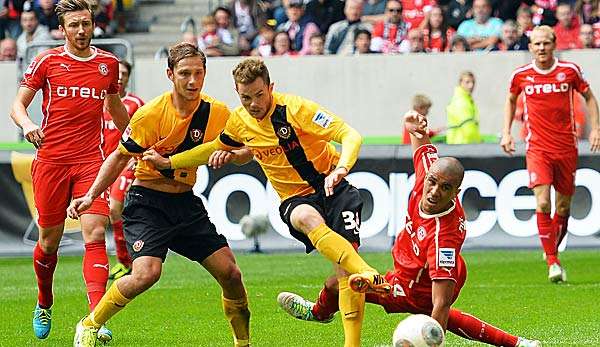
437, 215
94, 53
545, 72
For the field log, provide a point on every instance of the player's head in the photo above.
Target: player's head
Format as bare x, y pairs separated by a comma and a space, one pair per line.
186, 68
442, 185
467, 81
76, 21
421, 103
254, 87
124, 73
542, 43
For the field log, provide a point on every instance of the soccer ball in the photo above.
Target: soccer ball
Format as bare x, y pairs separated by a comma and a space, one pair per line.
418, 330
254, 225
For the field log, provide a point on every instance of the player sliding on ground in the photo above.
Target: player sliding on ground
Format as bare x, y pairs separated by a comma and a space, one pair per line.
290, 138
429, 271
161, 212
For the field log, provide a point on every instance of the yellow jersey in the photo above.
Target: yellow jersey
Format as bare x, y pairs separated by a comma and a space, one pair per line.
291, 144
158, 125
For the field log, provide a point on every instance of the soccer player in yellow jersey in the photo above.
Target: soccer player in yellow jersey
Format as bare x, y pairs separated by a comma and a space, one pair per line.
290, 139
161, 212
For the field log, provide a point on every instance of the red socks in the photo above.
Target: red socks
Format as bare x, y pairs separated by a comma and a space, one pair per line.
560, 224
95, 271
326, 305
547, 234
121, 244
470, 327
44, 265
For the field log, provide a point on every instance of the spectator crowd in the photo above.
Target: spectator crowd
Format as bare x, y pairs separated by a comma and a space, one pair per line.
317, 27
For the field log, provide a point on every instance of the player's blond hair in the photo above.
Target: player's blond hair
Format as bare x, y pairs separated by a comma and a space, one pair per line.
465, 74
65, 6
248, 70
181, 51
421, 100
546, 30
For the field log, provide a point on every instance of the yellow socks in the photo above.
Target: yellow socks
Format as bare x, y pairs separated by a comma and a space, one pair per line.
238, 315
111, 303
352, 309
337, 249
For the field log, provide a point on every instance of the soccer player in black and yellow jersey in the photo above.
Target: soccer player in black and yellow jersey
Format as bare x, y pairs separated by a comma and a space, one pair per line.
161, 212
290, 139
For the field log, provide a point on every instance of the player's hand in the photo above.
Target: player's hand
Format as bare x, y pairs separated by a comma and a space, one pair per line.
159, 162
33, 134
508, 144
219, 158
79, 205
595, 140
416, 123
333, 179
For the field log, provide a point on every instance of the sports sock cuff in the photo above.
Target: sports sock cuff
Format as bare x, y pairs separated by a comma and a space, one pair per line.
318, 233
116, 296
95, 245
240, 302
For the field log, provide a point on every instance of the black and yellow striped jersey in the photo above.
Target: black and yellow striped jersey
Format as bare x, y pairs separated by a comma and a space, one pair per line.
158, 125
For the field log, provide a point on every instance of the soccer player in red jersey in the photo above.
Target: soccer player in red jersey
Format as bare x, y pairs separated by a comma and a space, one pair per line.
77, 82
548, 85
112, 135
429, 271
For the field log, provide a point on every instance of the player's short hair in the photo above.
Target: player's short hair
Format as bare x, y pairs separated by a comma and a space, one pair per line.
65, 6
127, 65
421, 100
181, 51
248, 70
465, 74
545, 29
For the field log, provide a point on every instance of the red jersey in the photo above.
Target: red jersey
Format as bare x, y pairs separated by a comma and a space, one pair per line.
112, 135
429, 245
435, 42
596, 28
567, 38
74, 90
413, 11
548, 104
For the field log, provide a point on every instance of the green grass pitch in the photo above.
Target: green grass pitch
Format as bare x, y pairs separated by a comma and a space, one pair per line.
505, 288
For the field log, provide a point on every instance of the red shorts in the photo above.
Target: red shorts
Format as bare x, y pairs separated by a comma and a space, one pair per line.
122, 184
547, 169
54, 186
404, 299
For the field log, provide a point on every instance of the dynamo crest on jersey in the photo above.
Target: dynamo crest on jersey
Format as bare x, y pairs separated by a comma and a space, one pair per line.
195, 135
103, 68
284, 132
138, 245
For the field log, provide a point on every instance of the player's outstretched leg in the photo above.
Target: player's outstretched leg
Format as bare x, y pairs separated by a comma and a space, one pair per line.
471, 327
44, 266
300, 308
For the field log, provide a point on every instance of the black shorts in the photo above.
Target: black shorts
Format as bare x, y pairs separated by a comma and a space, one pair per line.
154, 222
341, 211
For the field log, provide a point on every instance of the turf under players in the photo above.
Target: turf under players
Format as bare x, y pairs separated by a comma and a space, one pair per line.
161, 211
548, 85
124, 181
77, 81
429, 271
290, 138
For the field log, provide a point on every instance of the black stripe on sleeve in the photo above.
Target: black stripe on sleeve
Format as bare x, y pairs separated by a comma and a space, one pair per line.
289, 142
132, 147
226, 139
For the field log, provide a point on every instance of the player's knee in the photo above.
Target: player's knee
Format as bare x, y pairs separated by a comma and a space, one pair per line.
115, 214
48, 245
147, 276
305, 218
232, 278
563, 209
543, 206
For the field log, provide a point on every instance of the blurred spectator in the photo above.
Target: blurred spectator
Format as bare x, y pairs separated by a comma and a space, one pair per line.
299, 26
317, 44
362, 42
413, 42
458, 11
227, 32
587, 11
10, 13
543, 12
586, 36
263, 43
248, 16
282, 45
437, 35
340, 37
482, 31
567, 29
596, 28
103, 15
48, 18
190, 38
389, 33
524, 20
373, 10
511, 40
421, 104
459, 44
8, 50
325, 12
209, 37
32, 33
415, 12
463, 115
507, 9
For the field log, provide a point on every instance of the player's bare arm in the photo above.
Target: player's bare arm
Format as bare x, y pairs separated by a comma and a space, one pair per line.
441, 297
237, 156
117, 110
19, 115
592, 106
110, 170
416, 125
507, 142
351, 142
